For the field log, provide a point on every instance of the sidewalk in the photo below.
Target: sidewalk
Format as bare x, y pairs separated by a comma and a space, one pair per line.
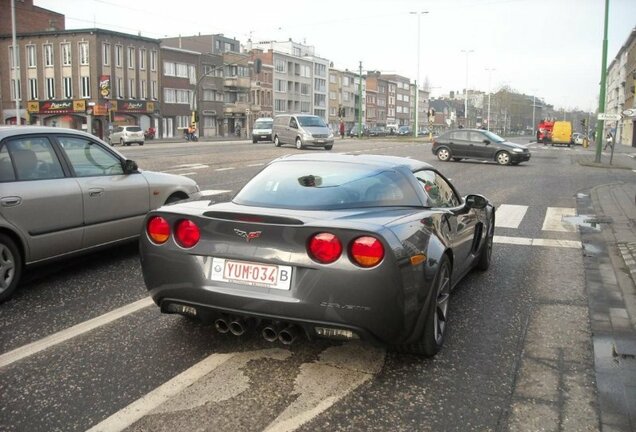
610, 267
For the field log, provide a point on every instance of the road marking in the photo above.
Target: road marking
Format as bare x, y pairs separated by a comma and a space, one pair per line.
573, 244
256, 164
214, 192
71, 332
509, 215
225, 169
554, 219
186, 173
135, 411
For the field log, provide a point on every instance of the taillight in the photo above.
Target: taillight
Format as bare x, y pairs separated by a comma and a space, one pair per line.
367, 251
324, 248
158, 229
187, 233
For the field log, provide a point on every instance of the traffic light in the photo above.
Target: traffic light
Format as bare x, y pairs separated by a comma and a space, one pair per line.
583, 122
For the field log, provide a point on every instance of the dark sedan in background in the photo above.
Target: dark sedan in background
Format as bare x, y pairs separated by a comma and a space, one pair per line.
329, 246
478, 144
378, 131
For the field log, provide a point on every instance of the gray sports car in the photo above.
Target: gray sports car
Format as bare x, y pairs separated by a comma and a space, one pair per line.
334, 246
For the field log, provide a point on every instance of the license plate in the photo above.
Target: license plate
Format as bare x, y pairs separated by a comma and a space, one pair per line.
263, 136
320, 141
249, 273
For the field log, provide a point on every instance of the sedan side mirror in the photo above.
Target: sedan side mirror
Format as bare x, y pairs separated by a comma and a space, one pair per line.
476, 201
129, 166
486, 141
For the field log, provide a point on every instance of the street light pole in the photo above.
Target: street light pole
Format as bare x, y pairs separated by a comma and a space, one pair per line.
534, 104
490, 70
466, 91
417, 77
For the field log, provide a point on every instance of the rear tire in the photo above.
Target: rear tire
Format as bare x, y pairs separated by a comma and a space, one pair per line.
121, 142
10, 267
276, 141
299, 143
254, 140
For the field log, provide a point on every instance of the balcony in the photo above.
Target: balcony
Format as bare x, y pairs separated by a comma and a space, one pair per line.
237, 82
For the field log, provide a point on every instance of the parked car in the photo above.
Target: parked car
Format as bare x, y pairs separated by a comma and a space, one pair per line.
578, 138
392, 128
302, 130
461, 144
65, 192
353, 132
404, 130
377, 131
262, 130
126, 135
330, 246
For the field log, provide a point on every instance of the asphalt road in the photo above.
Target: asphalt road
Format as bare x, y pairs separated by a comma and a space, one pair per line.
517, 356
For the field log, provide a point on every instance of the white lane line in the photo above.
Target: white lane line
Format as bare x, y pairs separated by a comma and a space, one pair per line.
144, 405
224, 169
554, 219
187, 173
209, 192
509, 215
572, 244
71, 332
256, 164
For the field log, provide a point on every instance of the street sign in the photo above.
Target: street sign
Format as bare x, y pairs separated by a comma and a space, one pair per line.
630, 112
609, 116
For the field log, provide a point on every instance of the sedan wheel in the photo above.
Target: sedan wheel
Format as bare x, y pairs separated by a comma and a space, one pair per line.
503, 158
443, 154
10, 267
299, 143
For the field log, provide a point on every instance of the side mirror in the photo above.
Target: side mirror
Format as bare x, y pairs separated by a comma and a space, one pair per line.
476, 201
486, 141
129, 166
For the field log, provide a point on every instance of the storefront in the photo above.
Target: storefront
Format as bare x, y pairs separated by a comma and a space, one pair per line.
65, 113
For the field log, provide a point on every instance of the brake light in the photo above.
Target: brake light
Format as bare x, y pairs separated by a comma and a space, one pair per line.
187, 233
158, 229
367, 251
324, 248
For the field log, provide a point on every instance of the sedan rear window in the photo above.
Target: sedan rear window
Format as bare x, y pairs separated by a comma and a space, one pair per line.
315, 185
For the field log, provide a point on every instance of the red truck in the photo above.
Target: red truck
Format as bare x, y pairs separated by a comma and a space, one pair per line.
544, 131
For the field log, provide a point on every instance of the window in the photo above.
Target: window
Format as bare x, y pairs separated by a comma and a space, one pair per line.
320, 85
66, 53
153, 60
153, 89
192, 74
280, 85
83, 53
438, 191
305, 71
320, 69
228, 47
50, 88
131, 57
15, 88
320, 100
85, 87
131, 88
33, 89
48, 55
11, 59
33, 159
106, 54
169, 95
304, 89
67, 85
333, 79
332, 96
119, 52
183, 121
142, 59
169, 69
143, 93
279, 65
182, 70
89, 159
297, 52
279, 105
120, 88
31, 59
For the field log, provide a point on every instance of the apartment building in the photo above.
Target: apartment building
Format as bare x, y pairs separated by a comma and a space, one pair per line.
210, 95
422, 107
87, 79
209, 44
29, 18
262, 85
400, 88
342, 96
179, 81
620, 82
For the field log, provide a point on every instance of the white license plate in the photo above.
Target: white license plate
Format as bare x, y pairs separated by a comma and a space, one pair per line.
263, 136
249, 273
320, 141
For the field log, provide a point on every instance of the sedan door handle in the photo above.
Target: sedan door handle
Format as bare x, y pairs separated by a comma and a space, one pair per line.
10, 201
95, 192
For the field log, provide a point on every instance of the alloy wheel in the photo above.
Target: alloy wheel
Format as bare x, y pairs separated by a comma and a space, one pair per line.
443, 154
503, 158
441, 306
7, 267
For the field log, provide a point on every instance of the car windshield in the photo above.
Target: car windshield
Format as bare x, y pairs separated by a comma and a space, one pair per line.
311, 121
322, 185
263, 124
493, 137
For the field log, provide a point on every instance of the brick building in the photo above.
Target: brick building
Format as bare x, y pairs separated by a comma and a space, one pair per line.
29, 18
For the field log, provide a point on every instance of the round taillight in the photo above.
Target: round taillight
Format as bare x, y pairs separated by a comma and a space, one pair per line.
367, 251
324, 248
187, 233
158, 229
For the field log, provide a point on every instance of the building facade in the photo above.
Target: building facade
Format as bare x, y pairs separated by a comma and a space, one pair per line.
29, 18
179, 80
620, 88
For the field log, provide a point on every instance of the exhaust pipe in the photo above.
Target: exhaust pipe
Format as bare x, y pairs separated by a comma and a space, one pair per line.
288, 335
221, 325
270, 332
238, 326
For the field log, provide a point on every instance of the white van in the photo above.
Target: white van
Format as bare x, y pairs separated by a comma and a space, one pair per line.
262, 130
301, 130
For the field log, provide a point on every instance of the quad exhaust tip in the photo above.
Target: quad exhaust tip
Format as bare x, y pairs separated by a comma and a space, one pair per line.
221, 325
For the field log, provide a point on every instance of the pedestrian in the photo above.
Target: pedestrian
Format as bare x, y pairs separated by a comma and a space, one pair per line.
609, 138
342, 129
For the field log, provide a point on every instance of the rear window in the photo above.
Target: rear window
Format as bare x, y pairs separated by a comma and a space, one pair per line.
321, 185
133, 128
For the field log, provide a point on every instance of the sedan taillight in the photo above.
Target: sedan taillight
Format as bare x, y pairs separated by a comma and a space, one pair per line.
158, 229
367, 251
324, 248
187, 233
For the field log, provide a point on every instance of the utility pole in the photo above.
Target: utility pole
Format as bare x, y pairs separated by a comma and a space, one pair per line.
601, 99
466, 91
417, 77
360, 102
534, 104
16, 67
489, 93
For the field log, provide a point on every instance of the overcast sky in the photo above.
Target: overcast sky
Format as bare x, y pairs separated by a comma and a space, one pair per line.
551, 48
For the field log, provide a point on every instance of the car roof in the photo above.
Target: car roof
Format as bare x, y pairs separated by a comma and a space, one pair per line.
9, 131
381, 161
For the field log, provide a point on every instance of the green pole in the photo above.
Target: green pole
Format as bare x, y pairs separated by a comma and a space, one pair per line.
360, 103
601, 99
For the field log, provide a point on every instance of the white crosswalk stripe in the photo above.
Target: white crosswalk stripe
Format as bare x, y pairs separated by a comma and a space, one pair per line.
554, 219
510, 215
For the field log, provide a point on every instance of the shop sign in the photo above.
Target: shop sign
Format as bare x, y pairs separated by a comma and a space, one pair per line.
57, 107
104, 86
135, 107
